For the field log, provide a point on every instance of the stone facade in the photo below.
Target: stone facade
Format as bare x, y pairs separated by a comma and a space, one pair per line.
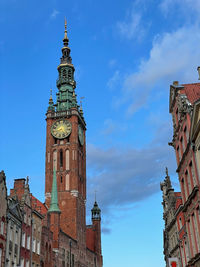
3, 213
14, 229
36, 237
170, 234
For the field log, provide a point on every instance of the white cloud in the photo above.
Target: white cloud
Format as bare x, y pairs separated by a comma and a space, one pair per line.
54, 14
131, 28
112, 62
125, 175
174, 56
188, 7
114, 79
109, 127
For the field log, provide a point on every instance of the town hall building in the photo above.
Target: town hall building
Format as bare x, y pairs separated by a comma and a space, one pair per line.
54, 233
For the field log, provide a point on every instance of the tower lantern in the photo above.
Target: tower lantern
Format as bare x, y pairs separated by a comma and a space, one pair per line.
96, 212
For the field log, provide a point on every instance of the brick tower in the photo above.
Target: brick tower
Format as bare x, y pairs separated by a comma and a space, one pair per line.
65, 150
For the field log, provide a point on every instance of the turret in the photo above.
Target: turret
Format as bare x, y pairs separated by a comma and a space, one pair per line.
96, 212
96, 222
54, 213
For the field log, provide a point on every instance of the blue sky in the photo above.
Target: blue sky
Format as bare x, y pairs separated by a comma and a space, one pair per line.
126, 55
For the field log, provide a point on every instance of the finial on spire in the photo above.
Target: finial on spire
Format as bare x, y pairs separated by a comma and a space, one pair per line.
50, 92
65, 40
95, 195
27, 180
81, 102
166, 170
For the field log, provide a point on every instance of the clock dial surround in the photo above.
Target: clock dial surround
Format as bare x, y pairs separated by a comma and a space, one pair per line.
80, 135
61, 129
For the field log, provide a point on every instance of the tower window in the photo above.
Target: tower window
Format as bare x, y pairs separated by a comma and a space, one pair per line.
64, 74
61, 179
69, 74
61, 158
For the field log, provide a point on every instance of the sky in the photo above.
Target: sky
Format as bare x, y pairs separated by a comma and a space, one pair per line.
126, 55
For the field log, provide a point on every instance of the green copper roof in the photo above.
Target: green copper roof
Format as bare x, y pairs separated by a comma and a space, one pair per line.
96, 212
54, 195
66, 98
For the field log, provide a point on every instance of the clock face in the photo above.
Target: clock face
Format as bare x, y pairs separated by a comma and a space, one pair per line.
61, 129
80, 135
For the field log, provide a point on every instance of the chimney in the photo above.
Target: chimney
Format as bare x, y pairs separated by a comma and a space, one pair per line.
175, 83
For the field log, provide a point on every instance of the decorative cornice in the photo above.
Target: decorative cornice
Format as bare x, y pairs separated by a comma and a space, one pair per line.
193, 260
191, 196
66, 114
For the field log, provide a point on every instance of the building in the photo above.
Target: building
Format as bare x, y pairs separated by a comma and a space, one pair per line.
54, 233
171, 203
3, 213
184, 107
65, 175
14, 230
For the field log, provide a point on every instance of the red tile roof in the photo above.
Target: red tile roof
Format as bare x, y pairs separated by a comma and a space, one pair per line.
39, 206
192, 91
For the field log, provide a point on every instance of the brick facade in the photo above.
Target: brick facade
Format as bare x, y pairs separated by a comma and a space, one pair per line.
184, 107
54, 233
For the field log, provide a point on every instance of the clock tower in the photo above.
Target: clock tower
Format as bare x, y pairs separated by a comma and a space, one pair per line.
66, 151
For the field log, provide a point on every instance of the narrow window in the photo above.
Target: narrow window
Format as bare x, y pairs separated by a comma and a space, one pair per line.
61, 158
67, 182
64, 74
69, 74
55, 160
67, 159
61, 179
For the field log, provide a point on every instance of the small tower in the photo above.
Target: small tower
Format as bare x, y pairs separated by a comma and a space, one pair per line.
51, 107
96, 212
96, 222
54, 213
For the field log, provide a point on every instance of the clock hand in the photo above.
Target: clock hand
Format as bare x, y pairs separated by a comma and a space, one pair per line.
60, 128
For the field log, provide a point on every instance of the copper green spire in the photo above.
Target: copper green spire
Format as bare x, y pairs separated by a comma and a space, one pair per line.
65, 83
51, 105
54, 195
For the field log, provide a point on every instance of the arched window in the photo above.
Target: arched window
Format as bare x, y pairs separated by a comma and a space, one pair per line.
69, 74
64, 74
61, 158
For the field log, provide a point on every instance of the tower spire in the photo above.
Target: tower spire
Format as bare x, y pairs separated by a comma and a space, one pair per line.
51, 104
65, 40
54, 195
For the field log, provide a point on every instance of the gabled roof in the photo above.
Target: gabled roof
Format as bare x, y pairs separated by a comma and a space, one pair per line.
39, 206
192, 91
